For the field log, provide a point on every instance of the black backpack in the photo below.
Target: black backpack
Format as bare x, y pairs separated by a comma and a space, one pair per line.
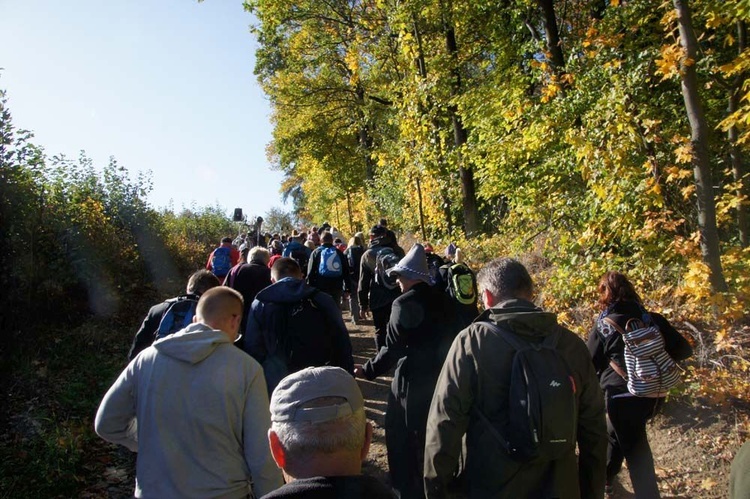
178, 316
385, 259
301, 256
303, 339
543, 416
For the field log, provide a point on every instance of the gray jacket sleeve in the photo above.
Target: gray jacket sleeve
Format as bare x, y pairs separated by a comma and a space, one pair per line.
115, 420
449, 416
265, 474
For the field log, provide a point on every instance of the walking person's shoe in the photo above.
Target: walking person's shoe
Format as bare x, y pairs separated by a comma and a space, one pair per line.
609, 491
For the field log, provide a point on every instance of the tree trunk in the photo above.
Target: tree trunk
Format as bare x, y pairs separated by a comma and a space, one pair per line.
735, 153
349, 212
709, 240
421, 209
552, 34
338, 219
460, 136
422, 68
365, 140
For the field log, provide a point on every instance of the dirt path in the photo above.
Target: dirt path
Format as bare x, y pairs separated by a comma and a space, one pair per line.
376, 397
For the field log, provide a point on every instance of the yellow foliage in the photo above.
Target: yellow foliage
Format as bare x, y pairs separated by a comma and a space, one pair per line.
675, 173
684, 153
687, 191
668, 64
550, 91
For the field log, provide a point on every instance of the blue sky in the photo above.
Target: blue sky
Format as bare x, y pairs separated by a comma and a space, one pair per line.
161, 85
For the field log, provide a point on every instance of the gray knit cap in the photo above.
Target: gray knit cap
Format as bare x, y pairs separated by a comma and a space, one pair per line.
413, 265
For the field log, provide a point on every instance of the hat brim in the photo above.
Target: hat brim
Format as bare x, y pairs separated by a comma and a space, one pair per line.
409, 274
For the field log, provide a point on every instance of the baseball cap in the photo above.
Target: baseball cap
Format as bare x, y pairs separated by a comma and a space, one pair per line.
298, 389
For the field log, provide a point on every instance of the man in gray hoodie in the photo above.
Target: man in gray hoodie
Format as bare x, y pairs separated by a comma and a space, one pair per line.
195, 408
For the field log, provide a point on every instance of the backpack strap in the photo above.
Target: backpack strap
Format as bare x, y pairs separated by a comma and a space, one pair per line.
614, 365
491, 428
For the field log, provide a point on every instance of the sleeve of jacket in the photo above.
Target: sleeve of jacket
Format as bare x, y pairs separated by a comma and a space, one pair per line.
342, 344
596, 350
674, 343
144, 337
208, 262
254, 340
312, 267
265, 474
115, 419
592, 429
395, 340
345, 271
449, 416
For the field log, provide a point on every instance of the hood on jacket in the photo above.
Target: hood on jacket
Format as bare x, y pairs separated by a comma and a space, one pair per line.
521, 317
193, 344
384, 240
287, 290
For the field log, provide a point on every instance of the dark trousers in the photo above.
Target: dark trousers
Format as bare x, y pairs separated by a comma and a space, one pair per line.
626, 429
405, 449
380, 318
336, 295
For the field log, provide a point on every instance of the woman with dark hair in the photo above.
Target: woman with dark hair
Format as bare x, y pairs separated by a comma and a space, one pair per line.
627, 414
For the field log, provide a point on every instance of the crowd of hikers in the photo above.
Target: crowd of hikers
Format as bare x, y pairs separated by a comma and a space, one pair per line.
245, 386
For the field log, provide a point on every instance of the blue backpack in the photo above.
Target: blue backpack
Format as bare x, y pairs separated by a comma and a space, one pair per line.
178, 316
330, 263
221, 261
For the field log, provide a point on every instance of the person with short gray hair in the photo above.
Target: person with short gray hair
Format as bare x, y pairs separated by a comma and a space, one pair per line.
319, 436
473, 399
259, 255
249, 278
505, 278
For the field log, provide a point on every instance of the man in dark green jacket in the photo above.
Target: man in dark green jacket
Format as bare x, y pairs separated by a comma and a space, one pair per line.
473, 390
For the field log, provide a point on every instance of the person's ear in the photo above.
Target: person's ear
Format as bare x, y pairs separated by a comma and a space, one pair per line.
236, 321
368, 440
277, 450
488, 299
